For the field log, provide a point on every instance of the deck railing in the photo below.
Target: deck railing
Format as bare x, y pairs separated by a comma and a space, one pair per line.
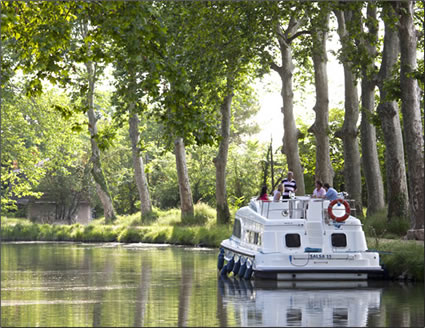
295, 208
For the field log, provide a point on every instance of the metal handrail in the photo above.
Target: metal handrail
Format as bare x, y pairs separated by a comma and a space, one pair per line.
265, 210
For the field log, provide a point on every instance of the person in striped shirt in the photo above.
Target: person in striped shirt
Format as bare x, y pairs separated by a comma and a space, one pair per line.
289, 185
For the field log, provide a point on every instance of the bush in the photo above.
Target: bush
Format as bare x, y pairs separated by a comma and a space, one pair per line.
203, 214
404, 259
377, 225
129, 235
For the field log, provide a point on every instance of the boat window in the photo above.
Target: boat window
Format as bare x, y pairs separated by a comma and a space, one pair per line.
339, 240
255, 238
293, 240
237, 228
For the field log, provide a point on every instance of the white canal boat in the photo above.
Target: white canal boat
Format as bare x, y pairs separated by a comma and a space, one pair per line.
302, 238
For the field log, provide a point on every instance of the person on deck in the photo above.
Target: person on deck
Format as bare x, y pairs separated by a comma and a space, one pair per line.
263, 195
331, 193
319, 191
289, 185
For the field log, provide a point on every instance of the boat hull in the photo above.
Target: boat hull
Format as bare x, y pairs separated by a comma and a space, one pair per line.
322, 270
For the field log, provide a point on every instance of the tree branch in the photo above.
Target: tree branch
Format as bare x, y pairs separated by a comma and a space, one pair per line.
275, 67
297, 35
280, 35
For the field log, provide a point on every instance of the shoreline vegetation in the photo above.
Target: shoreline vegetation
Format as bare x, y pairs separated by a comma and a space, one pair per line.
402, 259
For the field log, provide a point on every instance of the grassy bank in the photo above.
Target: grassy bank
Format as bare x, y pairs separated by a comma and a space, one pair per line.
166, 228
403, 259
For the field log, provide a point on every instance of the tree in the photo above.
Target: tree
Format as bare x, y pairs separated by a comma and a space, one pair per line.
55, 41
352, 175
36, 140
410, 107
367, 42
285, 71
93, 71
320, 127
131, 26
238, 51
397, 193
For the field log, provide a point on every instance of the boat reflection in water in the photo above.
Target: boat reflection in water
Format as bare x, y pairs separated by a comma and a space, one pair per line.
300, 303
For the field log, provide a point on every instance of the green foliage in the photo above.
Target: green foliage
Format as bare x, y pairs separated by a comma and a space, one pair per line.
36, 139
129, 235
127, 229
244, 106
405, 258
377, 226
307, 146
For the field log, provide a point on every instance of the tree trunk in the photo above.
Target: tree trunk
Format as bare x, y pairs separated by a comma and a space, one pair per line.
186, 200
139, 172
220, 162
390, 122
320, 128
349, 131
101, 185
410, 107
370, 160
290, 135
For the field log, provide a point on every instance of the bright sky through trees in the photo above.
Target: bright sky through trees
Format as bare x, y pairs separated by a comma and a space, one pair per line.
270, 117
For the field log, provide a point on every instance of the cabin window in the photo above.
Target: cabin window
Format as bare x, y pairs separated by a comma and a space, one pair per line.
255, 238
292, 240
339, 240
237, 228
252, 237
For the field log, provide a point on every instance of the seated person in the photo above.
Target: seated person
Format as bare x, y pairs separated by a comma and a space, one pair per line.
263, 195
331, 193
278, 193
319, 191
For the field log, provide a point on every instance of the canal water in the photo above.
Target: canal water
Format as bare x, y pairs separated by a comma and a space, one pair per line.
135, 285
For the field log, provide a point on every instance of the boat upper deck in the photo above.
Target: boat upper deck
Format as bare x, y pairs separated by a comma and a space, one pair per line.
300, 207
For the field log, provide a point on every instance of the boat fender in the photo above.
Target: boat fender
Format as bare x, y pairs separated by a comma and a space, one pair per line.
242, 270
220, 261
339, 201
236, 267
248, 273
224, 271
230, 264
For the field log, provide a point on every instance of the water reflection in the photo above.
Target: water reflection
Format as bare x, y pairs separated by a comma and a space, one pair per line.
138, 285
302, 304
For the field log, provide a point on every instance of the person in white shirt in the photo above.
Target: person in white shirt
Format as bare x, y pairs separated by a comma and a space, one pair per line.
278, 193
319, 191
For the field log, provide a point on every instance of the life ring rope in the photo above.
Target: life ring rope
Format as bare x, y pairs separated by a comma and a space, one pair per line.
347, 210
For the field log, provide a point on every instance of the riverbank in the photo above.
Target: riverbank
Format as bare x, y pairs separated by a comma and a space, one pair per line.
403, 259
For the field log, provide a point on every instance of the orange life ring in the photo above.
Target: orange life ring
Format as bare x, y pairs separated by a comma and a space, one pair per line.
339, 218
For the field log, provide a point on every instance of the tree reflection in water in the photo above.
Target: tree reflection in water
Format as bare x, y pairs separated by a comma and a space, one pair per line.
135, 285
